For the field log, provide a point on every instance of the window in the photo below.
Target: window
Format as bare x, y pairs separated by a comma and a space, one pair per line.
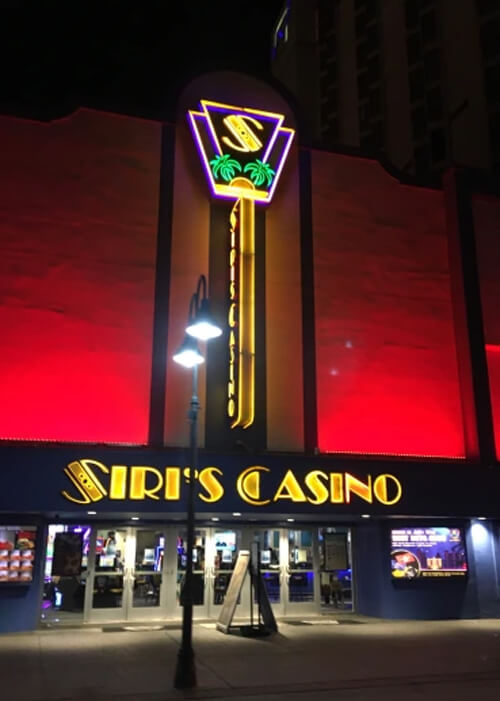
413, 48
495, 139
486, 7
363, 84
492, 81
374, 102
432, 66
372, 40
434, 104
419, 122
411, 9
281, 32
416, 84
373, 69
428, 28
362, 53
360, 23
422, 160
438, 145
490, 38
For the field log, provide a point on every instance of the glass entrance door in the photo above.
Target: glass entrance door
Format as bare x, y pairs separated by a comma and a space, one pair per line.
200, 572
147, 575
301, 584
271, 544
109, 562
223, 547
125, 575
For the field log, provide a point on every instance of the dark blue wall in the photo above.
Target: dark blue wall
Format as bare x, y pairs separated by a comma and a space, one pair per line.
19, 604
377, 594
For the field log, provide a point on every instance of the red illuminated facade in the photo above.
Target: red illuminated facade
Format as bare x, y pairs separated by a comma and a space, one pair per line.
376, 297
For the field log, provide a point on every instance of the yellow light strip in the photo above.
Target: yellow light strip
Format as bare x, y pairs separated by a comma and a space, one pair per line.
246, 316
241, 191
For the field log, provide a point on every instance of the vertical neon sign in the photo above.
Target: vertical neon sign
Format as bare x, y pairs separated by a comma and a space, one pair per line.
243, 152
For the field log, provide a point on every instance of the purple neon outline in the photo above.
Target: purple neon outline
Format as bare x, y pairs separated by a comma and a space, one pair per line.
213, 185
201, 151
221, 107
211, 133
291, 133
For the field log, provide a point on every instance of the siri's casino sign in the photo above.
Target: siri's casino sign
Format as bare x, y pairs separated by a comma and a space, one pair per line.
91, 481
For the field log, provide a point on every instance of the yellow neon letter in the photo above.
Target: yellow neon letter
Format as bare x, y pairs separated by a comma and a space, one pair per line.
356, 486
239, 127
381, 492
118, 482
138, 488
84, 479
172, 483
290, 489
248, 485
211, 484
336, 488
314, 483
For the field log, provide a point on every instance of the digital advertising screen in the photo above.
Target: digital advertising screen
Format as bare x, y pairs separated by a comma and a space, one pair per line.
225, 540
427, 552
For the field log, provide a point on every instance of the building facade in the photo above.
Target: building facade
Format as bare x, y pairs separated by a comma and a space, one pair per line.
350, 410
414, 79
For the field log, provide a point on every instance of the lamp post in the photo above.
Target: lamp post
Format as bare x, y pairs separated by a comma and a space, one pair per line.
200, 326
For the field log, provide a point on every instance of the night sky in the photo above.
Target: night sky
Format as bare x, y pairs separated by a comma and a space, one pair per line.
62, 54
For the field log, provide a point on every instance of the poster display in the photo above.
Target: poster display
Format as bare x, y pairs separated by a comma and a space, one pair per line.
427, 552
336, 551
68, 552
17, 554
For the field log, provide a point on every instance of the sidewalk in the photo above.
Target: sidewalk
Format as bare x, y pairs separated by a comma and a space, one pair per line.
362, 660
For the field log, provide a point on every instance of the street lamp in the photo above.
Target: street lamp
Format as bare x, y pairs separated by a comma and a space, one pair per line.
200, 326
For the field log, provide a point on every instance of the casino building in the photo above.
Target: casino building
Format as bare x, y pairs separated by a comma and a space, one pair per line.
350, 410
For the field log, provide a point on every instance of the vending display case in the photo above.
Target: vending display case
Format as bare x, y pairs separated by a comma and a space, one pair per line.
17, 554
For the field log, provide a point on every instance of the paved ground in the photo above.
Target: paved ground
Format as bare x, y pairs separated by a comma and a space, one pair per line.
368, 661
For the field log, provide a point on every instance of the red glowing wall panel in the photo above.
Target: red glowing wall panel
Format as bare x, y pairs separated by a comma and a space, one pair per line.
78, 224
487, 231
387, 378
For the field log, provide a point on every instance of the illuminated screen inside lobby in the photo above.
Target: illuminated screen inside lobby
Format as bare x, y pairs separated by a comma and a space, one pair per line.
437, 552
387, 378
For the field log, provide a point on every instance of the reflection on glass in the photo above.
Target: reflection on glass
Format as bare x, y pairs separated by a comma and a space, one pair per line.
272, 583
149, 557
108, 591
146, 590
300, 565
198, 566
227, 544
268, 541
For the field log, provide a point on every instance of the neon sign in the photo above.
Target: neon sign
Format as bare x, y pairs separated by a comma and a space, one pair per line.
145, 482
243, 151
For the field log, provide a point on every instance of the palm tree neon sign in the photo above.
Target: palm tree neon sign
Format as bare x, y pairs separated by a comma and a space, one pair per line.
243, 151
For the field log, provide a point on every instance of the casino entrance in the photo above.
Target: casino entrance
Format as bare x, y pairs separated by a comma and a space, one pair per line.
108, 574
